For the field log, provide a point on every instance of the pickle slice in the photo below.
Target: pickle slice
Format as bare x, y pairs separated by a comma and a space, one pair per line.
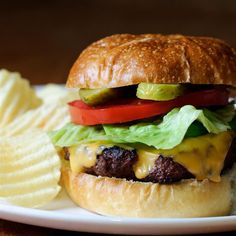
95, 97
159, 92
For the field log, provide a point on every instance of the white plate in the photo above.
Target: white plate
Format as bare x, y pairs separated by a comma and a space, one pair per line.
63, 214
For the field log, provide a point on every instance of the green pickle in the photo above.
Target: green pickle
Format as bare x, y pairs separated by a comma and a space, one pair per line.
94, 97
159, 92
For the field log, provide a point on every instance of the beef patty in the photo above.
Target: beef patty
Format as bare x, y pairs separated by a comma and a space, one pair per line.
118, 162
167, 171
115, 162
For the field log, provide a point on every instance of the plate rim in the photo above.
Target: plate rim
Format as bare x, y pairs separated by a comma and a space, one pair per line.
110, 224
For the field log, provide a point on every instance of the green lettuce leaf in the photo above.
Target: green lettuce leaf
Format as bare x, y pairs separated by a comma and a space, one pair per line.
72, 134
171, 131
164, 135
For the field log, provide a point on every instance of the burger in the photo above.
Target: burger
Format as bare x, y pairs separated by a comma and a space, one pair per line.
154, 132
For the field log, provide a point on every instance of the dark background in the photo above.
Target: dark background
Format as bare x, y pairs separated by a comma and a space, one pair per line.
41, 39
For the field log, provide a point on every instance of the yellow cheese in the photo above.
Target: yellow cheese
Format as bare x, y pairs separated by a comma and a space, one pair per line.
83, 156
203, 156
146, 161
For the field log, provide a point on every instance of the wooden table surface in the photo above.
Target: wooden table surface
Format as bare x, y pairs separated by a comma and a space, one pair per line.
8, 228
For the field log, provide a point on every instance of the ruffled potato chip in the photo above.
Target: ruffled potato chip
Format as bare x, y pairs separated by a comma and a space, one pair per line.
16, 97
55, 93
47, 117
29, 169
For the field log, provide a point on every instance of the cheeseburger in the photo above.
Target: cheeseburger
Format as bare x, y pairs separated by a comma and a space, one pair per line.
154, 132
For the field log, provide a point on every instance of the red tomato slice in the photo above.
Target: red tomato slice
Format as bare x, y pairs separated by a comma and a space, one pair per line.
135, 109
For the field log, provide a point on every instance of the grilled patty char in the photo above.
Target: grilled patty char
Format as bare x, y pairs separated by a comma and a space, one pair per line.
167, 171
115, 162
118, 162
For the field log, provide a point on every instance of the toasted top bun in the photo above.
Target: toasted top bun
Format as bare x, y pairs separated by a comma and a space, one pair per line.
126, 59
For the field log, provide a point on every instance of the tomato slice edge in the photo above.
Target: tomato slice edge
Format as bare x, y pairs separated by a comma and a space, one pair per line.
140, 109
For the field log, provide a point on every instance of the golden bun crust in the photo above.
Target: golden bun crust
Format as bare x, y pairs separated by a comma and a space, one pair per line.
126, 59
118, 197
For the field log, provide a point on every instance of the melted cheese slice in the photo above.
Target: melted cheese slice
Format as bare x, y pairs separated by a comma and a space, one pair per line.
83, 156
203, 156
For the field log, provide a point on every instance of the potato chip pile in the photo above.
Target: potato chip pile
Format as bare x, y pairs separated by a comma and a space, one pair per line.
53, 93
46, 117
29, 163
29, 169
14, 97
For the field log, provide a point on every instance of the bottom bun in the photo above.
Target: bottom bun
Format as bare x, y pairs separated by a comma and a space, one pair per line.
119, 197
